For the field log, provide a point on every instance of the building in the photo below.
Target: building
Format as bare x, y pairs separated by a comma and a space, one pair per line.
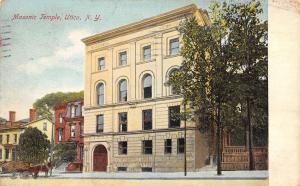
130, 114
69, 126
9, 137
10, 132
44, 124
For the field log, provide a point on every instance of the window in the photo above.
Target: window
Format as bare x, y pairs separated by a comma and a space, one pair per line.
72, 111
6, 153
147, 86
13, 154
122, 147
81, 129
81, 152
174, 116
147, 146
123, 121
73, 130
123, 90
60, 117
60, 134
45, 126
172, 90
146, 169
100, 123
0, 154
15, 138
100, 94
123, 58
147, 119
78, 110
7, 138
147, 53
180, 145
174, 46
168, 146
0, 139
69, 110
122, 169
101, 63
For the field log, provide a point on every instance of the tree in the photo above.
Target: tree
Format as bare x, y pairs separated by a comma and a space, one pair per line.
64, 153
249, 40
44, 105
2, 120
210, 77
33, 147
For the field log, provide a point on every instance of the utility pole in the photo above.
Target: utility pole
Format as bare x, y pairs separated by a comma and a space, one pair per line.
51, 147
185, 171
219, 171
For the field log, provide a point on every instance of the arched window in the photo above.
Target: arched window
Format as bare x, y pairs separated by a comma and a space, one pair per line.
100, 94
172, 91
147, 86
123, 90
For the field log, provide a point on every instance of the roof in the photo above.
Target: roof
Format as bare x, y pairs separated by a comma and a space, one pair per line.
26, 120
63, 105
43, 118
8, 126
145, 23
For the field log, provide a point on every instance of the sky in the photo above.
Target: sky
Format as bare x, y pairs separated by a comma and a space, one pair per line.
47, 55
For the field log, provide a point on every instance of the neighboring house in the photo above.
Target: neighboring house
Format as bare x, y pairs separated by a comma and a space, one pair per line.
130, 114
9, 137
10, 132
45, 125
69, 126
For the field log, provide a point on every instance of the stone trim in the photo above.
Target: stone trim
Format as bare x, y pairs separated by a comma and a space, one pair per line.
133, 103
146, 23
140, 132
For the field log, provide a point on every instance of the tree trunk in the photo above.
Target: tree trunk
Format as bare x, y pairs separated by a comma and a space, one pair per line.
219, 171
251, 163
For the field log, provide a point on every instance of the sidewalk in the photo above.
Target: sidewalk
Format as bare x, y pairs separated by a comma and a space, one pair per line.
208, 175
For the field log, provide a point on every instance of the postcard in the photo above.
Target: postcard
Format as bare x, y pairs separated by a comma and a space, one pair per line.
147, 92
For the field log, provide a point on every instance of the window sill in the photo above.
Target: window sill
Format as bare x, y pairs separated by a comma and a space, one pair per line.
177, 127
122, 154
147, 154
121, 66
146, 61
99, 71
171, 56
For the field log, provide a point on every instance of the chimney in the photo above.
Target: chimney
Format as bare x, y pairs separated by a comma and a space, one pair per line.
12, 116
32, 115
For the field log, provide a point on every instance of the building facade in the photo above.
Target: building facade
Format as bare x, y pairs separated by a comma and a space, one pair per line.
130, 114
69, 126
10, 132
9, 137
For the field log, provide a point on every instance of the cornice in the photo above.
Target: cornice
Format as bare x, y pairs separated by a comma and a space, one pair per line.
145, 23
133, 103
139, 132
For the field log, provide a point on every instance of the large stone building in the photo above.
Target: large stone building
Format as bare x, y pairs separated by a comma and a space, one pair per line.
130, 113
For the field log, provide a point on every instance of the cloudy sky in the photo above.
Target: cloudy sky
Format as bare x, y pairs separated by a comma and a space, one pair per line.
47, 56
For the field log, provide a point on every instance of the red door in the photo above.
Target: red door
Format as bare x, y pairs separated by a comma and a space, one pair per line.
100, 158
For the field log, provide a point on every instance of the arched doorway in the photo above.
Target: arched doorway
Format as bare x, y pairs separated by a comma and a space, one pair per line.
100, 158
